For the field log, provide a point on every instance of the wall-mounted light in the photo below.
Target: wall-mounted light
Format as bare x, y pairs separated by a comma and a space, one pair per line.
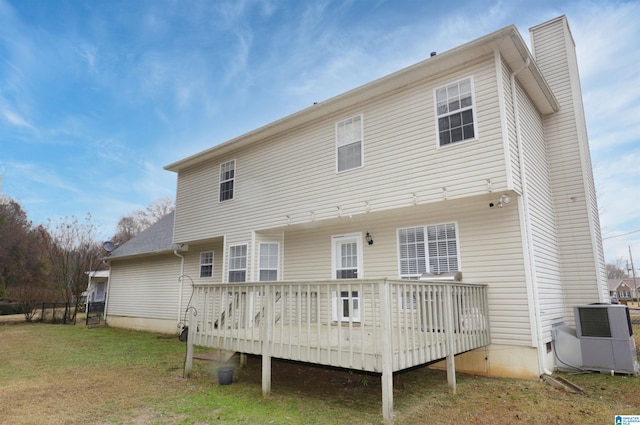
504, 200
369, 238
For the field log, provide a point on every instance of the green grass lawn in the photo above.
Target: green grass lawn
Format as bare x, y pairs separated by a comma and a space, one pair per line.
57, 374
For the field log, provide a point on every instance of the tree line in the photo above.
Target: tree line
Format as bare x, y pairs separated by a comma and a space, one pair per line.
50, 262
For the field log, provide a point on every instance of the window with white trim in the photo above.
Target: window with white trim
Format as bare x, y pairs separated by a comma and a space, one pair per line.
349, 143
432, 249
206, 264
347, 258
238, 263
346, 306
227, 179
268, 267
455, 114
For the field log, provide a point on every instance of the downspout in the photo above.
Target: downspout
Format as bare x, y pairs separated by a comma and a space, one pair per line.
534, 307
106, 300
175, 252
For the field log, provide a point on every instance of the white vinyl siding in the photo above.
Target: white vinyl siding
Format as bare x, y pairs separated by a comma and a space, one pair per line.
269, 260
490, 247
238, 263
206, 264
145, 287
574, 200
349, 152
544, 245
400, 141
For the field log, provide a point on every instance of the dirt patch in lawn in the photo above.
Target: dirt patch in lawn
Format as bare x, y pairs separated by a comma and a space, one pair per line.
104, 391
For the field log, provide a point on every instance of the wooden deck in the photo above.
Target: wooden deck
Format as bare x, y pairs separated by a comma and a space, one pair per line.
379, 326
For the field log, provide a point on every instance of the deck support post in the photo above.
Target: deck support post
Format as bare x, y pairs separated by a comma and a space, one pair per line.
267, 331
191, 334
450, 335
387, 351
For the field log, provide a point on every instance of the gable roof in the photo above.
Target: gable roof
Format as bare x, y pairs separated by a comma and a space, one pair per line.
507, 41
614, 284
156, 239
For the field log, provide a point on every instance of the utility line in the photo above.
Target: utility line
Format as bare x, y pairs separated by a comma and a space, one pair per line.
624, 234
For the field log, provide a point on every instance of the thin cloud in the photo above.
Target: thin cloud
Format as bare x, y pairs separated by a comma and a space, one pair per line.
88, 53
40, 176
15, 119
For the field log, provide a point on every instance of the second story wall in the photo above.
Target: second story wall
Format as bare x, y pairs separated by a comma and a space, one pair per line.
292, 178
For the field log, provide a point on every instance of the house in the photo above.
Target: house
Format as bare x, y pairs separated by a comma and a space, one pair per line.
97, 286
145, 290
445, 209
623, 290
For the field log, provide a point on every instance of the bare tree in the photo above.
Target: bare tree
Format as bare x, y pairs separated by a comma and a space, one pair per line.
134, 223
616, 270
73, 250
31, 295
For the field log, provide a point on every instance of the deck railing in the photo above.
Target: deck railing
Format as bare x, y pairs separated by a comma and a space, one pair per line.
342, 323
373, 325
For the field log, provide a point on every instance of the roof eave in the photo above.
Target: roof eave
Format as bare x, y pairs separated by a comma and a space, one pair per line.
182, 248
507, 40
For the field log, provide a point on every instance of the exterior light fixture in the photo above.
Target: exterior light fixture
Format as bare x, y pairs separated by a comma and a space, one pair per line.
369, 238
504, 200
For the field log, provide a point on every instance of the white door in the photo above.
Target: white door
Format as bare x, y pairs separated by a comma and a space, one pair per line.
346, 265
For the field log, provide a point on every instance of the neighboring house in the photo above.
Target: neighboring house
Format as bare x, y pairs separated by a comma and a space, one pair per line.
624, 290
335, 235
97, 286
145, 289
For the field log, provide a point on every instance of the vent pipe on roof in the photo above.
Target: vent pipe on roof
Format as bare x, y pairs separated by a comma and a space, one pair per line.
433, 54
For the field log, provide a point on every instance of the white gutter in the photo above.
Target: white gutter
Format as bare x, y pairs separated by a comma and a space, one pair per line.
175, 252
523, 207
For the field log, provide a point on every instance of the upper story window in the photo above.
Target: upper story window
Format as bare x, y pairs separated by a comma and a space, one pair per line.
206, 264
454, 106
349, 143
432, 249
238, 263
227, 178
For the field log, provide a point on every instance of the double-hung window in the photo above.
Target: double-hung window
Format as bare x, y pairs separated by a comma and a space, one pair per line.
238, 263
206, 264
455, 112
432, 249
349, 143
227, 179
268, 262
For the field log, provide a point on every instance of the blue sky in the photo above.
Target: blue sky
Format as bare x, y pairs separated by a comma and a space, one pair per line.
97, 96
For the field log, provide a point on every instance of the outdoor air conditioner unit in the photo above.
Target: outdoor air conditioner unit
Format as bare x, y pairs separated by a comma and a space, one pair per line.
606, 338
